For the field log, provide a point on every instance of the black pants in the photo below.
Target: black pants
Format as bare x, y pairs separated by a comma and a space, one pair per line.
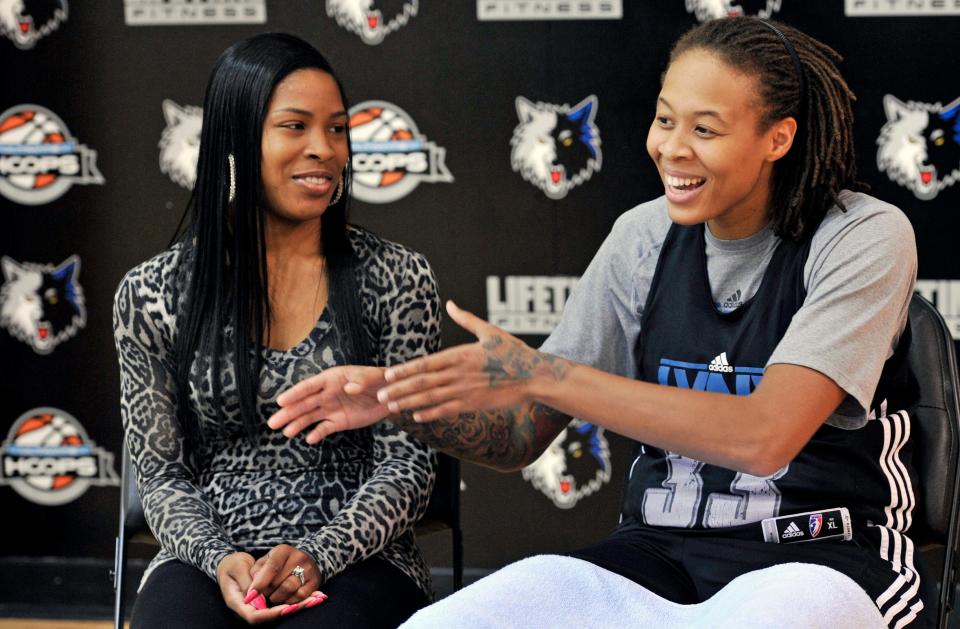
372, 593
689, 566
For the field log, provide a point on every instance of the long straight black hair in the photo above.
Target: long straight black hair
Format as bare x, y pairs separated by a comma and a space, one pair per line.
224, 242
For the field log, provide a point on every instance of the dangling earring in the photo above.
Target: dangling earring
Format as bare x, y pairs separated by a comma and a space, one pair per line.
233, 178
339, 192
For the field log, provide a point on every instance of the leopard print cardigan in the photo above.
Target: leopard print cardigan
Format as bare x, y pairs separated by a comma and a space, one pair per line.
355, 495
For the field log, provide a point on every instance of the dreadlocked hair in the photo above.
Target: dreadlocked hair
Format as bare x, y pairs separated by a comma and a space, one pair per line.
821, 162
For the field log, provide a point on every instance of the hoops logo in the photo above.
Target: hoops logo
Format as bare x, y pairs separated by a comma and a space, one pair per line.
180, 143
48, 459
367, 21
920, 145
706, 10
40, 304
390, 155
39, 159
575, 465
556, 147
25, 22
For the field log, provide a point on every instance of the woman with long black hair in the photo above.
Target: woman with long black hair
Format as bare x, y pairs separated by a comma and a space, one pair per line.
747, 329
266, 285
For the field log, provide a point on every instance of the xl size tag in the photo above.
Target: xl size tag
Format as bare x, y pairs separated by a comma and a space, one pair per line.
808, 527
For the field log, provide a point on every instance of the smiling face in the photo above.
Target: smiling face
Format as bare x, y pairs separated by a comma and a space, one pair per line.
304, 146
714, 159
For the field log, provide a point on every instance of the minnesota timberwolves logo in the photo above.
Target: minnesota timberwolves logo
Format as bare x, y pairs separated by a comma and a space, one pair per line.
574, 466
48, 458
180, 143
390, 155
39, 159
919, 145
556, 147
372, 20
25, 22
41, 304
706, 10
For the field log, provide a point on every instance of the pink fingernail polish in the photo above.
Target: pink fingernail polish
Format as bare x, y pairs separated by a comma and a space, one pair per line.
251, 594
260, 602
289, 609
316, 601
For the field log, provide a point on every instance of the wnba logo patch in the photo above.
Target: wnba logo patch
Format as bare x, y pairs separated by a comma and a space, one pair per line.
390, 155
25, 22
48, 459
39, 159
574, 466
366, 19
556, 147
919, 145
706, 10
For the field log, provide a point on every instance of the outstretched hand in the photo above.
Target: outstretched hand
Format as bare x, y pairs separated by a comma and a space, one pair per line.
340, 398
497, 371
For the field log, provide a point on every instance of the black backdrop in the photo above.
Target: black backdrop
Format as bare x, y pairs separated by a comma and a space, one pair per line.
458, 78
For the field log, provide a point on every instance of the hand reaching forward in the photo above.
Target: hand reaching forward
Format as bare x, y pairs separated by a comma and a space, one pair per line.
497, 371
340, 398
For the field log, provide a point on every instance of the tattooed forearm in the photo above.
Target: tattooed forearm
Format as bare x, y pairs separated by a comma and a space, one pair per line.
519, 362
505, 439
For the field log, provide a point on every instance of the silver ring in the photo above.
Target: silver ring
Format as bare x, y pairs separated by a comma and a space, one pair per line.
298, 572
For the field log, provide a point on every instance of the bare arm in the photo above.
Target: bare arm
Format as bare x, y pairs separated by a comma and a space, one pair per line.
505, 439
757, 434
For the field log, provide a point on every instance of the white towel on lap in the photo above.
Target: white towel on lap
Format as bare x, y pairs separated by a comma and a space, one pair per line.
555, 591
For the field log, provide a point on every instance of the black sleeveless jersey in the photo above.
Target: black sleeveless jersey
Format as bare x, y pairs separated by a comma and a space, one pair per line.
685, 342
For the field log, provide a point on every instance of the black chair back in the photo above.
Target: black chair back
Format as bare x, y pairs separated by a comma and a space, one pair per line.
936, 420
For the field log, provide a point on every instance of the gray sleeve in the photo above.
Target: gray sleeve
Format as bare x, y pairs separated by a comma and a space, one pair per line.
859, 278
601, 319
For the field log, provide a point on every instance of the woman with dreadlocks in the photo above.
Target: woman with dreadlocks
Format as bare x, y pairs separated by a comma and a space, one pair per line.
745, 329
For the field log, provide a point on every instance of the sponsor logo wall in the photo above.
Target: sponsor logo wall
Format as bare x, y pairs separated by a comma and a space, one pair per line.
714, 9
365, 18
26, 23
527, 304
39, 159
42, 304
556, 147
185, 12
505, 10
919, 146
500, 138
48, 458
945, 295
390, 155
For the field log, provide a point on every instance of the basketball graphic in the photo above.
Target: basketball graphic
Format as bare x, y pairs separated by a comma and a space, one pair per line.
48, 459
39, 160
390, 155
48, 431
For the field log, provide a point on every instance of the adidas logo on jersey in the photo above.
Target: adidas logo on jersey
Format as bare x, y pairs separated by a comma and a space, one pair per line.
792, 531
734, 301
720, 364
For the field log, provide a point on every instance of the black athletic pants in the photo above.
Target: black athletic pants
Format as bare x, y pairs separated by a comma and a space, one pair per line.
372, 593
689, 566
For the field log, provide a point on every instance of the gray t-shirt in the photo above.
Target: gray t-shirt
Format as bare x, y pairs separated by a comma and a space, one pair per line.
859, 277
